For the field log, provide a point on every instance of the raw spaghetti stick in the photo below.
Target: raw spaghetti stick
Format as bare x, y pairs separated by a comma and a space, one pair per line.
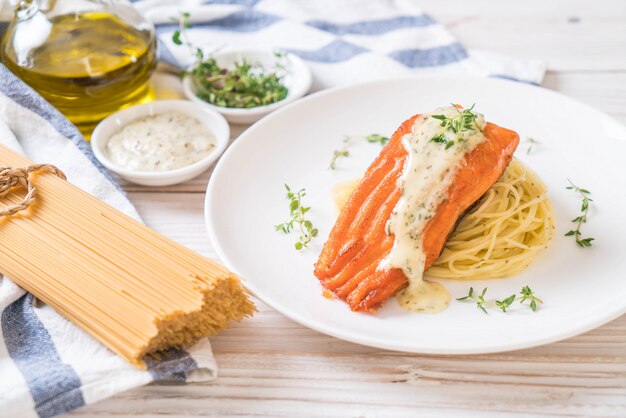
134, 290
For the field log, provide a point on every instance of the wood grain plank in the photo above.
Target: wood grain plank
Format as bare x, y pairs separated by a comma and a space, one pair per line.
570, 35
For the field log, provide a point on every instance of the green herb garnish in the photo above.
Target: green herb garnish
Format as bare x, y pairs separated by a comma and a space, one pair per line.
480, 299
347, 139
505, 303
582, 218
526, 295
464, 121
338, 153
183, 23
179, 38
377, 139
442, 139
530, 142
297, 219
246, 86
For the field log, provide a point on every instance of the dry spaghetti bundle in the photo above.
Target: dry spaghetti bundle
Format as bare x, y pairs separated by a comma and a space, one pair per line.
134, 290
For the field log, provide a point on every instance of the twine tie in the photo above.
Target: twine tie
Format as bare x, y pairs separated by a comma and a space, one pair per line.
13, 177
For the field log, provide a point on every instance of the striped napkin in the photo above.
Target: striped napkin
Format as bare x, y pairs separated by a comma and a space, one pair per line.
343, 41
48, 366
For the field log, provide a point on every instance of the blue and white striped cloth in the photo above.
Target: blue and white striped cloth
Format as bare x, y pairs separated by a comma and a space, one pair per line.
343, 41
47, 365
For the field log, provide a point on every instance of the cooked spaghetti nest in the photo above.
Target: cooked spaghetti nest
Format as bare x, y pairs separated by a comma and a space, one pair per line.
500, 234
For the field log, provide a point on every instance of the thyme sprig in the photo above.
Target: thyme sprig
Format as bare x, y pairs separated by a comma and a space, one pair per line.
479, 299
464, 121
442, 139
347, 140
526, 294
297, 212
582, 218
247, 85
505, 303
179, 36
530, 142
377, 139
338, 154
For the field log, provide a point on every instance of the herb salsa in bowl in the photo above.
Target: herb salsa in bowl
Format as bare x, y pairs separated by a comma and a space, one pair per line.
245, 85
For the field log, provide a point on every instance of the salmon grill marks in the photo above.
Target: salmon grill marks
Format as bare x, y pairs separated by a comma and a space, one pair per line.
348, 265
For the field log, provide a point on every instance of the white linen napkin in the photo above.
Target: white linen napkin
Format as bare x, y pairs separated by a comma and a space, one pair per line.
47, 365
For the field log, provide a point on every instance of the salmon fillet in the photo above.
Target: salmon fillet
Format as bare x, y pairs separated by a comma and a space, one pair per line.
348, 263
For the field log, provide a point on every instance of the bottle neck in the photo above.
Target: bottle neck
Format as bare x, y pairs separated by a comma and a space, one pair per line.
26, 9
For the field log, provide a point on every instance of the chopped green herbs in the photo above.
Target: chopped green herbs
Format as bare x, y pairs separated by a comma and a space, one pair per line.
582, 218
526, 294
347, 140
297, 219
247, 85
464, 121
441, 138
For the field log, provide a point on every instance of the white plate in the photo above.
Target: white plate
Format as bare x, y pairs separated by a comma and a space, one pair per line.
581, 288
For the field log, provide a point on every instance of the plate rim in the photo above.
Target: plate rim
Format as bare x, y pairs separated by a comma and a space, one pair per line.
609, 316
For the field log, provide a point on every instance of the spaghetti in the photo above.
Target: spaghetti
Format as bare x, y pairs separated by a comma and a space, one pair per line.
499, 235
503, 232
134, 290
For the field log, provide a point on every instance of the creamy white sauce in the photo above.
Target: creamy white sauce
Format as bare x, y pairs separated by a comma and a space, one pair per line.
425, 180
161, 142
428, 297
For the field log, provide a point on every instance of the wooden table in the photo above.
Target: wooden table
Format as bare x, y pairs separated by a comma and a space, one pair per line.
271, 366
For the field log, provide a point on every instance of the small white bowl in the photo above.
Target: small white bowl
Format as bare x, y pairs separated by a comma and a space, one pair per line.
211, 119
297, 79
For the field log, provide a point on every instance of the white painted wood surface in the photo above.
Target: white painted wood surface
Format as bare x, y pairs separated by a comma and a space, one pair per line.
271, 366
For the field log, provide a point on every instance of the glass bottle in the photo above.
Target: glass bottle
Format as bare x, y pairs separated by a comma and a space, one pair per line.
88, 58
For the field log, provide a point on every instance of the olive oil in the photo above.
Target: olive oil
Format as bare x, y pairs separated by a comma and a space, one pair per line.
89, 65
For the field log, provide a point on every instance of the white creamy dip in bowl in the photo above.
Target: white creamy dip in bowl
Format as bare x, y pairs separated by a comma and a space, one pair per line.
160, 143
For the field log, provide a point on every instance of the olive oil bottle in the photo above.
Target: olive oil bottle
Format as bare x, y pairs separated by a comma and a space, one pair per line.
88, 63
